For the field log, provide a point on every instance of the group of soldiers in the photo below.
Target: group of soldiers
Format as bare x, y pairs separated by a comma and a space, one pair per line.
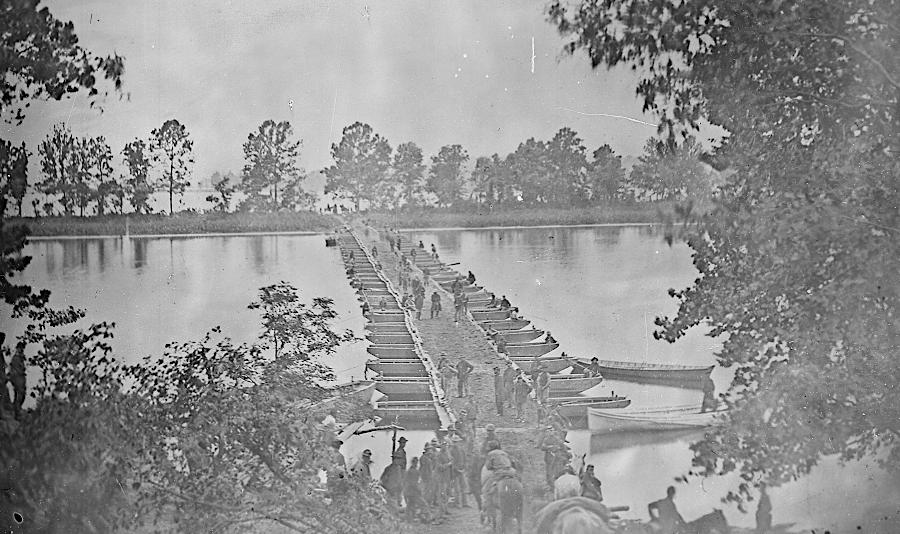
446, 473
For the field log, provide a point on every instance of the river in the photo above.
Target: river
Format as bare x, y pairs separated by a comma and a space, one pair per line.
598, 289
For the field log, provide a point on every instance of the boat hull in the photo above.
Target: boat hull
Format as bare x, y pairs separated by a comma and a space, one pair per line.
520, 336
390, 339
397, 367
387, 327
492, 315
603, 421
570, 384
530, 349
552, 365
400, 411
577, 409
404, 387
655, 374
386, 317
508, 324
395, 352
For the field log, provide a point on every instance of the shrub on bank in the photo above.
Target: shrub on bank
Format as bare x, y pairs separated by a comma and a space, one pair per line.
181, 223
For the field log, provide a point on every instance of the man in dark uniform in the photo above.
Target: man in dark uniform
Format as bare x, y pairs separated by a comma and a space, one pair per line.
593, 369
664, 515
463, 369
522, 391
590, 485
509, 382
435, 305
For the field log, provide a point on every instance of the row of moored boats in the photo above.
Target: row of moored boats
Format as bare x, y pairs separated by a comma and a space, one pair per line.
404, 378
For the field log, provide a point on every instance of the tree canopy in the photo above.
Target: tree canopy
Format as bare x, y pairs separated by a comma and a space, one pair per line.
798, 259
361, 162
445, 177
172, 149
271, 156
42, 59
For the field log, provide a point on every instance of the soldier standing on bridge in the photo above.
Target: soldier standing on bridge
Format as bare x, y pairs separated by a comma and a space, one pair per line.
498, 390
522, 389
509, 383
463, 369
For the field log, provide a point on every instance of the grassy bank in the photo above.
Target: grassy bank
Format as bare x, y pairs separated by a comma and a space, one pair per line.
218, 223
440, 218
181, 223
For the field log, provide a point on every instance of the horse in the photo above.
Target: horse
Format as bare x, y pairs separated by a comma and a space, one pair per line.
574, 515
510, 493
565, 486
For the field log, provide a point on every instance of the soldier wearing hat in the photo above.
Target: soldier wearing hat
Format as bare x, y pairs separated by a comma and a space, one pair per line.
458, 485
362, 467
443, 464
337, 459
426, 473
400, 452
490, 435
593, 369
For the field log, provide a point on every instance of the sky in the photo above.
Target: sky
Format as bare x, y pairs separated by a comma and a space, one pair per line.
435, 73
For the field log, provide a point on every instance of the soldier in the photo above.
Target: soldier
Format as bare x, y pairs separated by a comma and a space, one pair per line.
522, 390
426, 473
458, 485
509, 382
498, 390
443, 466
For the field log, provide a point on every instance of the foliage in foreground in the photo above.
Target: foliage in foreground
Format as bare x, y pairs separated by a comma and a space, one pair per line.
798, 259
211, 436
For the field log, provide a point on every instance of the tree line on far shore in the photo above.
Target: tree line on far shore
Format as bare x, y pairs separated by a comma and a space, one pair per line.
78, 178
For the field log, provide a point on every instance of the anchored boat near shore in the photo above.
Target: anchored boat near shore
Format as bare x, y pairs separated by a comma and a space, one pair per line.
657, 420
650, 373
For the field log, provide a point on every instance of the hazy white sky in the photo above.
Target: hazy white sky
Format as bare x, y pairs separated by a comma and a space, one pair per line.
435, 73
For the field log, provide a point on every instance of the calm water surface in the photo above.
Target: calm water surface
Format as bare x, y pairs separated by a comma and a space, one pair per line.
597, 289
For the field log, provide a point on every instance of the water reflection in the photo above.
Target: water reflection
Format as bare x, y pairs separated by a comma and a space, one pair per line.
139, 253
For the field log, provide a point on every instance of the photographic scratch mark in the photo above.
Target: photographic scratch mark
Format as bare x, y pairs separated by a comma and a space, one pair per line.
532, 55
331, 128
608, 115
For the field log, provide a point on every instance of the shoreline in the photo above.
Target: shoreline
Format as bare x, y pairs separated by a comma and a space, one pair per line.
313, 223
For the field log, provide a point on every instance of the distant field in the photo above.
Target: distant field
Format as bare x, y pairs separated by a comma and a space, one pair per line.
609, 214
186, 223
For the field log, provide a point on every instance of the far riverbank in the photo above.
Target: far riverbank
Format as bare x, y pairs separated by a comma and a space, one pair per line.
193, 223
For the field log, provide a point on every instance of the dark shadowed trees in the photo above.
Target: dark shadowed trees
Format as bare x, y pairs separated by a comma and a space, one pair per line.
605, 175
13, 173
172, 151
566, 182
137, 185
798, 258
445, 178
361, 163
42, 59
271, 156
60, 167
409, 173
